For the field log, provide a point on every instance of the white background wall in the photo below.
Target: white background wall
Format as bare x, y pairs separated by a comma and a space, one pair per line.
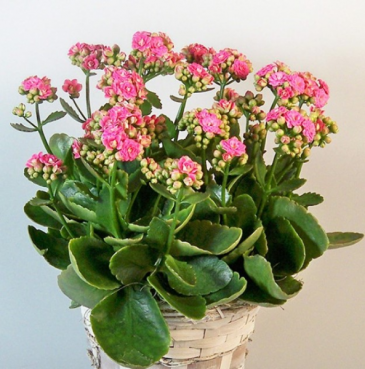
324, 326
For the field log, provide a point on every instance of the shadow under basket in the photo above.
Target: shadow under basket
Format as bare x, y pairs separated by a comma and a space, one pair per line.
218, 341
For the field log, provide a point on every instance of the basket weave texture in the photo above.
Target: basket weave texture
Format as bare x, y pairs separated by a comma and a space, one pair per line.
218, 341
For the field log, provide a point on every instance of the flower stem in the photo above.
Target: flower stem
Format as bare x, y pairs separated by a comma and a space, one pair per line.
40, 129
174, 221
276, 99
224, 184
113, 208
204, 166
87, 85
179, 116
78, 108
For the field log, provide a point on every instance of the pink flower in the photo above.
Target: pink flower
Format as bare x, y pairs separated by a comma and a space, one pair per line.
129, 151
91, 62
72, 87
293, 118
240, 69
321, 98
265, 70
209, 122
221, 57
200, 73
76, 148
113, 138
286, 93
35, 162
277, 79
309, 129
233, 147
188, 167
141, 41
48, 164
297, 83
276, 113
158, 47
39, 87
195, 53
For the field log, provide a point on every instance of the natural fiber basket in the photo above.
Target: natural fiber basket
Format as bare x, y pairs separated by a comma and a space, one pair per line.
218, 341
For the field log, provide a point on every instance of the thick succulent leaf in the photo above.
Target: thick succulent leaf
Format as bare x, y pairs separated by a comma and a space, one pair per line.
79, 193
119, 243
70, 111
175, 150
90, 260
183, 217
192, 307
215, 238
245, 217
77, 230
240, 170
179, 273
206, 210
261, 244
122, 183
244, 246
211, 274
259, 270
254, 295
78, 210
22, 128
53, 117
232, 291
158, 233
181, 248
130, 328
305, 224
290, 286
161, 190
216, 192
154, 99
289, 185
146, 108
53, 249
195, 197
39, 215
308, 199
78, 290
131, 263
286, 248
259, 168
343, 239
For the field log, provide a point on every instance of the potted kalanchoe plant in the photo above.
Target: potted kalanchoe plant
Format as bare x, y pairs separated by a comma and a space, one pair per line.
146, 208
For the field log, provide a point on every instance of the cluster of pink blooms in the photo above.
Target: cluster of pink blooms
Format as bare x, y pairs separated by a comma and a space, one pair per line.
119, 85
72, 87
38, 89
197, 53
46, 165
174, 174
152, 54
293, 129
230, 109
291, 86
204, 125
88, 57
227, 150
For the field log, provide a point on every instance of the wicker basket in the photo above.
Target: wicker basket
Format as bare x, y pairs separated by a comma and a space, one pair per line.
218, 341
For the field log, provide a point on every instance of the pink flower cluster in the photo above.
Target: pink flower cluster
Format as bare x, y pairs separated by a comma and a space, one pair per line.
289, 85
72, 87
174, 173
227, 150
86, 56
197, 53
38, 89
121, 85
47, 165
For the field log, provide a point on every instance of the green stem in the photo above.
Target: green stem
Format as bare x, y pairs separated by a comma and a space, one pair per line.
135, 194
155, 207
78, 108
114, 211
179, 115
174, 221
40, 129
87, 85
224, 184
276, 99
204, 167
221, 90
58, 211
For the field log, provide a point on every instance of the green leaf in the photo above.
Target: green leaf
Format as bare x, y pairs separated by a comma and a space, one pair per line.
231, 292
60, 145
215, 238
78, 290
39, 215
343, 239
286, 249
54, 116
90, 259
183, 217
308, 199
131, 263
260, 168
78, 210
53, 249
181, 248
22, 128
130, 328
215, 191
305, 224
179, 272
290, 285
146, 108
176, 99
195, 197
161, 190
79, 193
175, 150
240, 170
122, 183
206, 210
170, 126
245, 217
290, 185
211, 273
259, 270
192, 307
244, 246
70, 111
119, 243
154, 99
77, 230
158, 233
